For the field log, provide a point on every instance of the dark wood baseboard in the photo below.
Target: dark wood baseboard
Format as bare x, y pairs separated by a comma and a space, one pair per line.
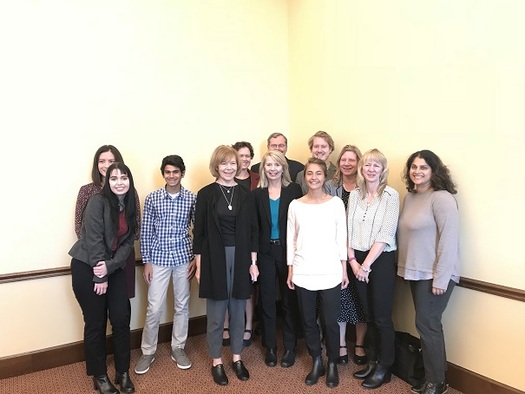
470, 382
57, 356
459, 378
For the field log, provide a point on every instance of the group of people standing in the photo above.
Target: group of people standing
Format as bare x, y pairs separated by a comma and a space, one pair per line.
320, 238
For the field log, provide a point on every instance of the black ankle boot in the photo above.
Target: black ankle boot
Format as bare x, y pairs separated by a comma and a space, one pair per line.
363, 373
332, 377
126, 385
381, 375
317, 370
104, 385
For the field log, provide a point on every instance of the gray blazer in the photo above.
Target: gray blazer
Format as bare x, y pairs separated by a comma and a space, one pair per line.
97, 237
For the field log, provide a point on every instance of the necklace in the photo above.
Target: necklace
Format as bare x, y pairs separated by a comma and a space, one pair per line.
231, 189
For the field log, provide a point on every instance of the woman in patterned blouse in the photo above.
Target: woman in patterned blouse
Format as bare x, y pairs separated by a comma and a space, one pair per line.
104, 157
373, 209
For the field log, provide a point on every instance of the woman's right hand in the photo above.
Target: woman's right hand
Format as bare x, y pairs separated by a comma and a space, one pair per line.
355, 266
101, 288
198, 268
289, 282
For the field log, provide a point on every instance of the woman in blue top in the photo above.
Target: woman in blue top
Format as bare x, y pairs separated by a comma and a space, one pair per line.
271, 201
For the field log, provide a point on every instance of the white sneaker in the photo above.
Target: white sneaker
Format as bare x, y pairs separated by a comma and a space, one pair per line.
178, 355
144, 363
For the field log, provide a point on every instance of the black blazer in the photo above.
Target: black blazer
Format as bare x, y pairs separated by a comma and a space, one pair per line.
294, 167
97, 237
262, 217
207, 241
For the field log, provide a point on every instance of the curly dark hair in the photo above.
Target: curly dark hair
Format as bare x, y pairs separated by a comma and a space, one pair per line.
244, 144
440, 179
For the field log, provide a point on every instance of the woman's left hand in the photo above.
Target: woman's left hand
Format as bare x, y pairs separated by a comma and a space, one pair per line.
345, 281
100, 270
437, 291
100, 288
254, 272
362, 276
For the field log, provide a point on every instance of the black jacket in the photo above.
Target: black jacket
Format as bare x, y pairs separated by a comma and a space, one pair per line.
262, 217
97, 237
207, 241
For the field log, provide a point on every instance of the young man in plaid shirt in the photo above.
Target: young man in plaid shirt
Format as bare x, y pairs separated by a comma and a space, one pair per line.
167, 253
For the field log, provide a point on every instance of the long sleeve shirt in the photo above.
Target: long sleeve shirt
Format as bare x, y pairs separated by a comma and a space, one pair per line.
374, 222
428, 238
316, 243
165, 237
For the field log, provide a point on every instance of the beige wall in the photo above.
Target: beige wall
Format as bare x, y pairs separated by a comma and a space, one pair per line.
183, 77
448, 76
152, 78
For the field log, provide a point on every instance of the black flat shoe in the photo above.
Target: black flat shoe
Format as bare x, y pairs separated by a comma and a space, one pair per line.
126, 385
363, 373
360, 360
219, 375
240, 370
104, 385
342, 359
247, 342
288, 359
226, 341
270, 358
376, 379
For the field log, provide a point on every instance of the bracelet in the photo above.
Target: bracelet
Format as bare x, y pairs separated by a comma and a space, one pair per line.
367, 270
352, 259
254, 262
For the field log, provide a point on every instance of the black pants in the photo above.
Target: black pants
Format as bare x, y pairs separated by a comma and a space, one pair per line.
377, 298
273, 272
330, 302
95, 309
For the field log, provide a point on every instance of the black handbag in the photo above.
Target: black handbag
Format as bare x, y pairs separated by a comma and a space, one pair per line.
408, 363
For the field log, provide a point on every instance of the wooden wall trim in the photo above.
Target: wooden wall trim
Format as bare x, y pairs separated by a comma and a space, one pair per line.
468, 283
33, 275
491, 288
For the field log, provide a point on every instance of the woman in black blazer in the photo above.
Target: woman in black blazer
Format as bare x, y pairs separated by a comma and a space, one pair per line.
98, 263
271, 202
224, 243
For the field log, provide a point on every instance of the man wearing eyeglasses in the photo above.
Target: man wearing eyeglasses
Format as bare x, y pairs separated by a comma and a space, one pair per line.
277, 141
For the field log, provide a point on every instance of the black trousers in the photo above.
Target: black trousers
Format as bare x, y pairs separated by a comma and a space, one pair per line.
377, 298
330, 302
96, 309
273, 273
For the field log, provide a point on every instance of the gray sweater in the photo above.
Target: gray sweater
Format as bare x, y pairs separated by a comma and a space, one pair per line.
428, 238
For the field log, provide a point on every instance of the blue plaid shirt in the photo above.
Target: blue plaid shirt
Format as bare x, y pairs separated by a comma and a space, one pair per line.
165, 234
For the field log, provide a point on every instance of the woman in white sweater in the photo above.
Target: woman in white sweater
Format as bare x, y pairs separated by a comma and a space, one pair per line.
373, 209
316, 251
428, 238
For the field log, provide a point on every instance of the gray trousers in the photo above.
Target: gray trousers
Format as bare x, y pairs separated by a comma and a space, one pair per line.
216, 309
429, 310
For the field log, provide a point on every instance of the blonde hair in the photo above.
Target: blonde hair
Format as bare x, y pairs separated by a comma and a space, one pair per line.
325, 136
377, 156
279, 158
221, 154
337, 179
